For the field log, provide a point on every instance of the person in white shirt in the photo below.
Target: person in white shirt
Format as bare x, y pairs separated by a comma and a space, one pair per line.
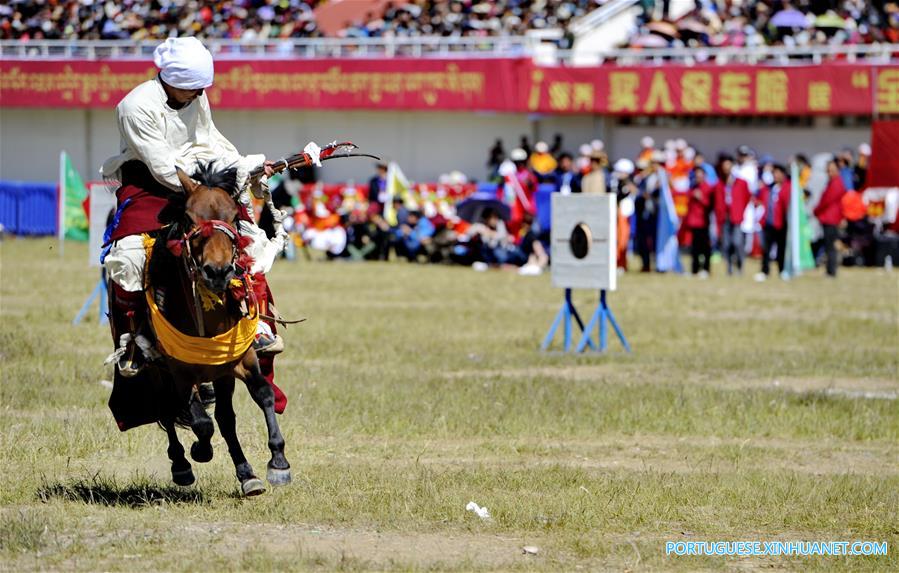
166, 124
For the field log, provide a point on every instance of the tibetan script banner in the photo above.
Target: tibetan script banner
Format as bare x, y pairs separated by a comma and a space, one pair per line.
477, 84
501, 85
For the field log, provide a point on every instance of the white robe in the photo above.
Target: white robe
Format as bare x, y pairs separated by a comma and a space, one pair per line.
163, 138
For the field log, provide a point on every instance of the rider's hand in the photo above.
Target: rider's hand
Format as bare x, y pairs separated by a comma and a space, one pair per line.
268, 167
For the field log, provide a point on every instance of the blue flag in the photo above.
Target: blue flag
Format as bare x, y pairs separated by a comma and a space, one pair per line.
667, 256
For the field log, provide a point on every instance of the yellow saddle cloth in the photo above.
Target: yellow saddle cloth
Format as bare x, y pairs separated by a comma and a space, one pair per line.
214, 350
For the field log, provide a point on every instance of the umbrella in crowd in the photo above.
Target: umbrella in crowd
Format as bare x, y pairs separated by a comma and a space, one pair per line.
692, 26
470, 209
830, 19
789, 18
649, 41
666, 29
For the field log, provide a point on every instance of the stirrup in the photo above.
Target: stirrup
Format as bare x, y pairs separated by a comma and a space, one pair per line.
132, 354
268, 345
125, 357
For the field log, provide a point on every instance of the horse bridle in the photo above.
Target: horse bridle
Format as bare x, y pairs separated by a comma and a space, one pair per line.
194, 273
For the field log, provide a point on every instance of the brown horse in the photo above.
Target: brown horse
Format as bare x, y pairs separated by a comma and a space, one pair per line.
201, 254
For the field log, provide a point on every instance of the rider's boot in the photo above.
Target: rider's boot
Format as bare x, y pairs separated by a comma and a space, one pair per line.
267, 342
129, 314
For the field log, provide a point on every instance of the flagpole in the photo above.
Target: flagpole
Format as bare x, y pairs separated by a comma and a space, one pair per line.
60, 204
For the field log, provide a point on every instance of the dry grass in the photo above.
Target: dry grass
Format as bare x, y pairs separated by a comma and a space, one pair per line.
748, 411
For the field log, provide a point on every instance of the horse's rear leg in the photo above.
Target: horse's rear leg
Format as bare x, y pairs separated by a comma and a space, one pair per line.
262, 393
224, 415
201, 424
182, 474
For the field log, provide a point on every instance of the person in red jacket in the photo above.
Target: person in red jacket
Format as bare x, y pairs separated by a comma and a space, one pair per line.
731, 197
699, 207
776, 200
830, 214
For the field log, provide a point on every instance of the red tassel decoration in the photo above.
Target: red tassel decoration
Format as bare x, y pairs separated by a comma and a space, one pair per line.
259, 286
243, 241
245, 261
206, 228
175, 246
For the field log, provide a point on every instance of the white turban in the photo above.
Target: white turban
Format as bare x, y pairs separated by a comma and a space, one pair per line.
184, 63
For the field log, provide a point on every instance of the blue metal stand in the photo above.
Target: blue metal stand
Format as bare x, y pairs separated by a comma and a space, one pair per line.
564, 317
602, 313
98, 292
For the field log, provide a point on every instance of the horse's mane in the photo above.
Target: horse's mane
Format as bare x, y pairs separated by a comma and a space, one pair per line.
225, 179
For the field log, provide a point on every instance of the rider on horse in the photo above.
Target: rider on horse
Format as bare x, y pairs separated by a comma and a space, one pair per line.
165, 123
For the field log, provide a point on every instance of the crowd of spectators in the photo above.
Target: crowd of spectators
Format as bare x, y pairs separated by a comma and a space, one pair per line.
446, 223
157, 19
734, 206
261, 19
470, 18
768, 22
710, 23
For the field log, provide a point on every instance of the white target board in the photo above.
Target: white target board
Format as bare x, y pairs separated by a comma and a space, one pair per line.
102, 201
583, 238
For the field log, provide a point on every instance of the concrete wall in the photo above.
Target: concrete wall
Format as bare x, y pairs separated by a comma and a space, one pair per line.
424, 144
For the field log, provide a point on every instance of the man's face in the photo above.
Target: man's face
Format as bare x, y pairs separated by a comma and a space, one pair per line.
832, 169
181, 96
700, 175
779, 176
726, 166
565, 163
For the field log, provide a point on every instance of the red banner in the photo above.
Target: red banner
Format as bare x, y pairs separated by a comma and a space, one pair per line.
502, 85
884, 168
399, 84
716, 90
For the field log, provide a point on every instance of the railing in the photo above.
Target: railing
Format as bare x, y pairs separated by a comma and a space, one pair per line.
463, 47
877, 53
600, 16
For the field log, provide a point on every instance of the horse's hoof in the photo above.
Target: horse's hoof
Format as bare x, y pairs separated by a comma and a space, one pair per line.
278, 477
252, 486
200, 452
183, 477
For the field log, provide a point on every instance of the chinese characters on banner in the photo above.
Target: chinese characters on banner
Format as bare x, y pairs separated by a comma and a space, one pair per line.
500, 85
717, 90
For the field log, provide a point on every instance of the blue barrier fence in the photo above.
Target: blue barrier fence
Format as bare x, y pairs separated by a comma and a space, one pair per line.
28, 208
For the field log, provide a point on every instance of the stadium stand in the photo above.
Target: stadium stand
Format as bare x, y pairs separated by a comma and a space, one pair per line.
253, 20
768, 22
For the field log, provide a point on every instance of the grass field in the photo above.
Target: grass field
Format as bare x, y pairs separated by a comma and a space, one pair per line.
746, 412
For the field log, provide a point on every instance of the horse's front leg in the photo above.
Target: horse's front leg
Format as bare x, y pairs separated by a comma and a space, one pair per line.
227, 421
182, 474
262, 393
201, 424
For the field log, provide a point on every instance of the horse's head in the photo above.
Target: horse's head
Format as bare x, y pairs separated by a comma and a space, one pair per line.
211, 210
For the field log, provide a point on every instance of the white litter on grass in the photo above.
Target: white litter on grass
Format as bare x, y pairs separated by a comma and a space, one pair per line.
530, 550
478, 510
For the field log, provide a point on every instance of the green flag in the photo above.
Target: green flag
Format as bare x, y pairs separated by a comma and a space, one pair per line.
799, 255
73, 220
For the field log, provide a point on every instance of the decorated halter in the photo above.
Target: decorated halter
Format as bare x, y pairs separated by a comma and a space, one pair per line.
243, 287
205, 229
